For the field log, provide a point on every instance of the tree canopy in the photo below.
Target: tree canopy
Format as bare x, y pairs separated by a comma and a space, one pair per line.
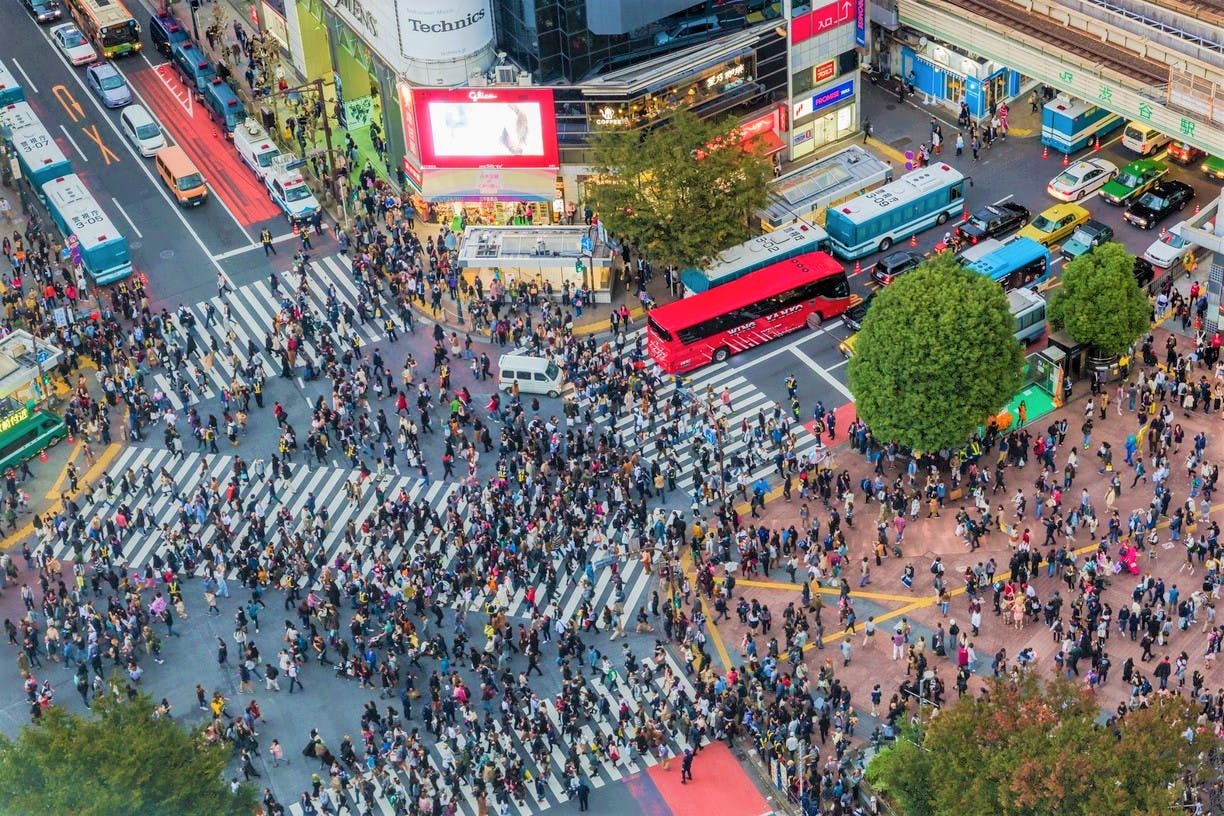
936, 357
682, 192
1033, 748
1100, 303
119, 762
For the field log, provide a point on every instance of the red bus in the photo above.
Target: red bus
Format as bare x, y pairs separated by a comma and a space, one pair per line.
759, 307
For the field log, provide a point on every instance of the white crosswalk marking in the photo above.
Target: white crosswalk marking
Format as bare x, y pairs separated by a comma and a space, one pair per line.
746, 403
253, 308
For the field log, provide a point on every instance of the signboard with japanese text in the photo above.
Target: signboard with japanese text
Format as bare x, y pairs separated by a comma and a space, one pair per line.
825, 18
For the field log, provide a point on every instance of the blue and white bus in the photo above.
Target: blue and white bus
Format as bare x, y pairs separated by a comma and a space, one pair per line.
755, 254
103, 250
1020, 262
10, 89
1068, 125
878, 219
1028, 309
38, 156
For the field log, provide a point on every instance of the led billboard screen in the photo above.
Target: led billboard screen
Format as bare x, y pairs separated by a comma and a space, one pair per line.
478, 127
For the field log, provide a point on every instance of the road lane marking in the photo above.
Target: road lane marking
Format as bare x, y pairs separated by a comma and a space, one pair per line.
29, 81
94, 136
280, 239
68, 102
127, 218
143, 168
72, 142
822, 373
1001, 200
804, 337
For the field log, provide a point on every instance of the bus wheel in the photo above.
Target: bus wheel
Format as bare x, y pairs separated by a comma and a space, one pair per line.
942, 219
721, 354
886, 244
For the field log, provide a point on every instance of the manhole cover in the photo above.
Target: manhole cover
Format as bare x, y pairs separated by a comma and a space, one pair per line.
890, 107
135, 245
167, 254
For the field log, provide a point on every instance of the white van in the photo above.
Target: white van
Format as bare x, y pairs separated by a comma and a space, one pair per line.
1143, 138
534, 375
255, 147
142, 130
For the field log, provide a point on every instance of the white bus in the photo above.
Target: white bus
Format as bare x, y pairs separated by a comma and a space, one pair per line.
756, 253
103, 249
878, 219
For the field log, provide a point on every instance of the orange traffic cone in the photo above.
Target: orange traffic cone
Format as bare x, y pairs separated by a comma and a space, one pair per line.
42, 456
914, 240
1045, 151
858, 267
1096, 145
1163, 232
1197, 207
965, 214
1066, 159
71, 441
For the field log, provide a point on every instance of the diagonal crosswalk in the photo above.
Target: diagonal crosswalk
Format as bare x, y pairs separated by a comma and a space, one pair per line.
190, 475
252, 309
661, 684
747, 402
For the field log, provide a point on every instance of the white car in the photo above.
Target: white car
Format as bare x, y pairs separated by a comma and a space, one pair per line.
1171, 249
142, 130
1081, 178
72, 42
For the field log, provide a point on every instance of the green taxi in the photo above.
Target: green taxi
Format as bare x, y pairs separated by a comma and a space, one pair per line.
1213, 166
1134, 180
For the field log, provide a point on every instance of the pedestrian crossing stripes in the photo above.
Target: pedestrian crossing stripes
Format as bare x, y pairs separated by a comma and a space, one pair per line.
166, 500
745, 402
667, 685
240, 319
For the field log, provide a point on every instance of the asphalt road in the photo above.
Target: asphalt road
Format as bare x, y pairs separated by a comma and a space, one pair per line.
180, 251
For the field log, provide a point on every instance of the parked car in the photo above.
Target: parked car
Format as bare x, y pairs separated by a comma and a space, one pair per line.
108, 85
1144, 272
1055, 223
1213, 167
894, 265
1087, 237
1158, 203
1135, 179
44, 11
72, 43
1081, 178
993, 221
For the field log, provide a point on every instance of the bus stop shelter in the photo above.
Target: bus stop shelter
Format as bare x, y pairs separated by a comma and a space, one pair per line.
26, 363
804, 194
548, 256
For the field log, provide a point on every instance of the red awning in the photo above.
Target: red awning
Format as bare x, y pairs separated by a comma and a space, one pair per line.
767, 143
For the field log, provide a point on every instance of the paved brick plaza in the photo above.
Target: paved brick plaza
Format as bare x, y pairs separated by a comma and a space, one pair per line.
889, 601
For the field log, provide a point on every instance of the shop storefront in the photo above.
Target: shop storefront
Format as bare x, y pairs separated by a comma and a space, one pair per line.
365, 49
946, 76
741, 76
824, 61
487, 154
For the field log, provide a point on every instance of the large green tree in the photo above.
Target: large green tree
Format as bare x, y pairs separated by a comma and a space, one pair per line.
1033, 748
682, 192
120, 761
1100, 303
937, 355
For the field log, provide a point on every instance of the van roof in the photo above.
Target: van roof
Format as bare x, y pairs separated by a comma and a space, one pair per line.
175, 158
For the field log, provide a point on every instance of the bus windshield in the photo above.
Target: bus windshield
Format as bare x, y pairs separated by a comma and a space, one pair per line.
123, 34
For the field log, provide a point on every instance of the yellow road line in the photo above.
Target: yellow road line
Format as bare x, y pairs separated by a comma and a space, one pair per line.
104, 459
54, 492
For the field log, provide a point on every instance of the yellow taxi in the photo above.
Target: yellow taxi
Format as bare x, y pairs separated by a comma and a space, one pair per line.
846, 347
1055, 223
